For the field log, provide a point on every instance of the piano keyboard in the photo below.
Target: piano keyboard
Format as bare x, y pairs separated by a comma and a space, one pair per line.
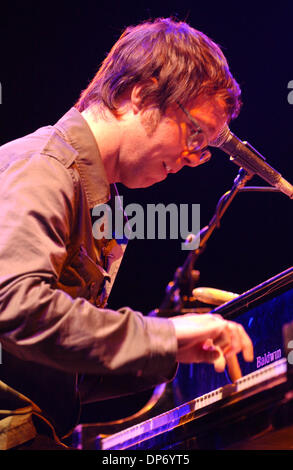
190, 410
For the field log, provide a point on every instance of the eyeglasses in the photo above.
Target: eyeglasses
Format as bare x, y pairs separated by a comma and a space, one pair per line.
196, 140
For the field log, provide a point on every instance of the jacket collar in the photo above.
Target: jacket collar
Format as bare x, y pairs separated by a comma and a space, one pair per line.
78, 134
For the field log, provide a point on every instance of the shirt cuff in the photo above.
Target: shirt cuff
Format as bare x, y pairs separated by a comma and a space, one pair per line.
163, 349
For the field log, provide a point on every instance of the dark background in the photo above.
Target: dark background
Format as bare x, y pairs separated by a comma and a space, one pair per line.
50, 51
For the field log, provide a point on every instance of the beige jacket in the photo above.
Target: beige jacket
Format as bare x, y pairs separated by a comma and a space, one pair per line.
60, 343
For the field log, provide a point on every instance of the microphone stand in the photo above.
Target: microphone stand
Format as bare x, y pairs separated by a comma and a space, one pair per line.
179, 291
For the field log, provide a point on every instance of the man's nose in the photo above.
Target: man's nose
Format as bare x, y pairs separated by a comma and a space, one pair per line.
195, 158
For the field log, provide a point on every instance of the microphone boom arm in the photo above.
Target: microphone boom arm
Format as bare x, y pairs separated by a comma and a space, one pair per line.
184, 278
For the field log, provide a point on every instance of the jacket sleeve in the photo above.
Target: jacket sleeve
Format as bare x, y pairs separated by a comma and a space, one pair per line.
43, 324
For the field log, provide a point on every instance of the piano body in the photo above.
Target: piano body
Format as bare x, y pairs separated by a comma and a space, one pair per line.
210, 412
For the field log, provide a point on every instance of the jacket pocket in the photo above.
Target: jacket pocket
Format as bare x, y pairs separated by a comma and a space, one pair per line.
83, 277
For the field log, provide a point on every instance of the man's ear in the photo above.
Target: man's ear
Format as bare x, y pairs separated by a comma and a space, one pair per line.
136, 95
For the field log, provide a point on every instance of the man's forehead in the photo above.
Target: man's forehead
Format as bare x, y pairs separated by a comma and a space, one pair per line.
210, 112
208, 103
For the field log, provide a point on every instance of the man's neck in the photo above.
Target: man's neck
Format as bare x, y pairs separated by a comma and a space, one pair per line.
106, 130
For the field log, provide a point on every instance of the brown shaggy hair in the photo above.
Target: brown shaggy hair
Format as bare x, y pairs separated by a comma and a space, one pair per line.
176, 62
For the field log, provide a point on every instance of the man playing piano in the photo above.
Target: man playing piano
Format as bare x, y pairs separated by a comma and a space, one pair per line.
161, 95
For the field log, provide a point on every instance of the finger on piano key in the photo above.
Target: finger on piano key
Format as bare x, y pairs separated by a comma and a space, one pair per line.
233, 366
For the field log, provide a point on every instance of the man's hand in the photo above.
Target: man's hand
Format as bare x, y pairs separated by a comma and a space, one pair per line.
210, 338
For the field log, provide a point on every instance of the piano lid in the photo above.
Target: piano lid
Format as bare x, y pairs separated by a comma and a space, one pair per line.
257, 295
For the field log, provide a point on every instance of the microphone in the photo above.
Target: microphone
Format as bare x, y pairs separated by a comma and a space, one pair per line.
245, 156
209, 295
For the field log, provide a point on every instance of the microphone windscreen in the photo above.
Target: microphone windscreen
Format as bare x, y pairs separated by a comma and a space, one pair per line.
221, 137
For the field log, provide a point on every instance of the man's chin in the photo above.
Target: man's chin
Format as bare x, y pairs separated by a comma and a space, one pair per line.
142, 184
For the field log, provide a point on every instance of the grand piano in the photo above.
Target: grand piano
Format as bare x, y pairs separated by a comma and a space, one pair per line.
211, 412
